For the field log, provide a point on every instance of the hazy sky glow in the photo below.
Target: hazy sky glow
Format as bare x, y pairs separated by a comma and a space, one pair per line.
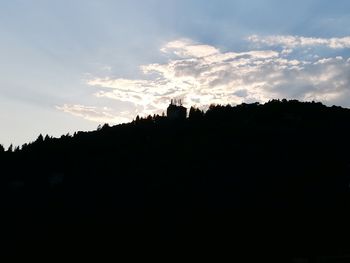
69, 65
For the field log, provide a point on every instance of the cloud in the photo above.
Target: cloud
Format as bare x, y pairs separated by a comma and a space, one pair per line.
298, 41
186, 48
202, 74
95, 114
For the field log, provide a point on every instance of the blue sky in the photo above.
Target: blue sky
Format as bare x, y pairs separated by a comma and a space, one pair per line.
70, 65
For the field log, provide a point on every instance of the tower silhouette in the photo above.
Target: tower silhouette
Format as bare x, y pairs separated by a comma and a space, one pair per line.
176, 111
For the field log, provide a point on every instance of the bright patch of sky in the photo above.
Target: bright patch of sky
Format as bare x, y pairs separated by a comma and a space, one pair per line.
69, 65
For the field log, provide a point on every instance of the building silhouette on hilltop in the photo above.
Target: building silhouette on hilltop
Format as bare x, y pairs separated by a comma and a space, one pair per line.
176, 111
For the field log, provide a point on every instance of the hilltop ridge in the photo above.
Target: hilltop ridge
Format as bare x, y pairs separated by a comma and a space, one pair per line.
292, 111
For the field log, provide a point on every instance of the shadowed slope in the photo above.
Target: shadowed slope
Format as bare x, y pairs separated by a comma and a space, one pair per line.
263, 176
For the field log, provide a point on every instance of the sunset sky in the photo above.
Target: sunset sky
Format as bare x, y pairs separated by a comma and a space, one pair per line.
70, 65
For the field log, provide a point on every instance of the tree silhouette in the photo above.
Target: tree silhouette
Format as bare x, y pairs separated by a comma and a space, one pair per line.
10, 148
195, 114
40, 139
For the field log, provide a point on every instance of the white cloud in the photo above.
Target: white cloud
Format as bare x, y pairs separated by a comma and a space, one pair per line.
186, 48
100, 115
202, 74
298, 41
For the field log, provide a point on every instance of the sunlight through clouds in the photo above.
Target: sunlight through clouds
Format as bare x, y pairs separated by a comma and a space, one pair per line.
201, 74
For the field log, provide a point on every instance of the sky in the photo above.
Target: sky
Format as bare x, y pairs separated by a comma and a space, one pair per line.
71, 65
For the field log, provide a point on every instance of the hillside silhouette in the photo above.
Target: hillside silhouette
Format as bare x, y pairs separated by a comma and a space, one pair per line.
267, 176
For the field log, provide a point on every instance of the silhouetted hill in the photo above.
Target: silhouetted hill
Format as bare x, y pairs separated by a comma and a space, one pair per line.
271, 177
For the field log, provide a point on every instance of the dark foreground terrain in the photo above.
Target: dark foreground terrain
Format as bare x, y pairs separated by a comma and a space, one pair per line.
257, 181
